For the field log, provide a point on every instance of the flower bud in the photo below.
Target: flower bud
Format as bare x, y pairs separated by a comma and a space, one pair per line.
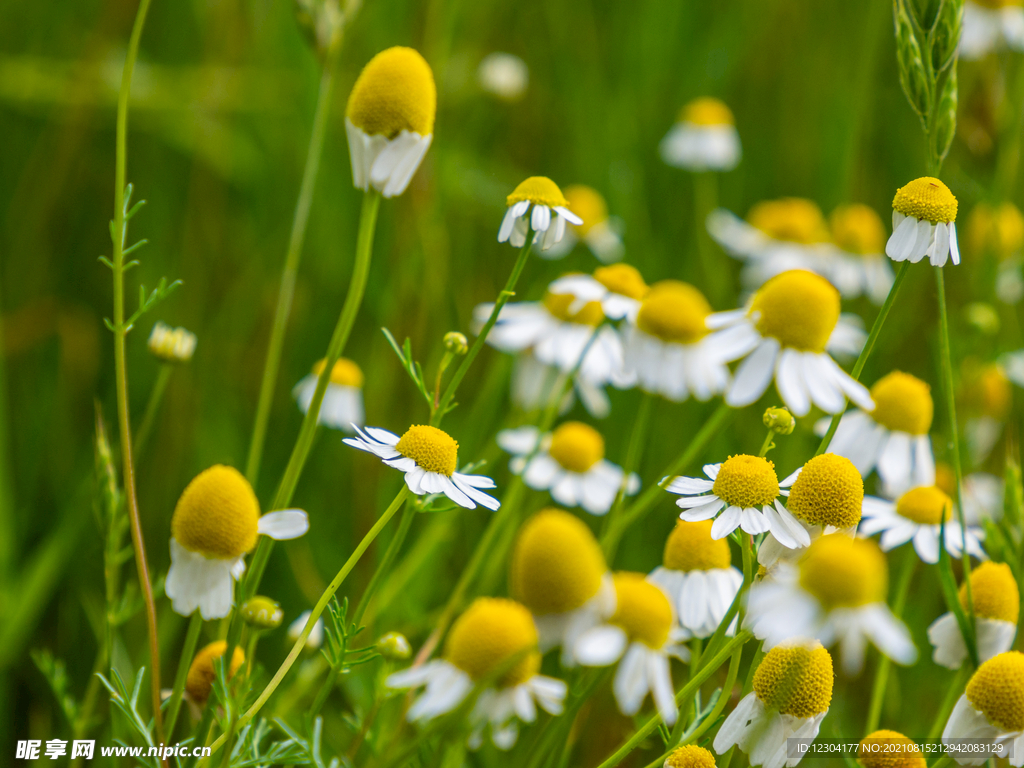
262, 612
172, 345
456, 343
983, 317
320, 22
394, 646
913, 76
779, 420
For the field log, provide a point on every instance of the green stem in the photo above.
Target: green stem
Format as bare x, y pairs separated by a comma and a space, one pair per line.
723, 697
142, 434
705, 200
408, 515
633, 453
767, 444
188, 651
884, 663
952, 694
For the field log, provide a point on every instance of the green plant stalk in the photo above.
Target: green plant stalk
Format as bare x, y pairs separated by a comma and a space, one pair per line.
156, 396
952, 694
899, 602
705, 200
408, 515
188, 651
633, 453
711, 647
723, 698
286, 291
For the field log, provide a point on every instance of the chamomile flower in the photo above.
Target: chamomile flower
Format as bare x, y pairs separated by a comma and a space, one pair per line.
791, 696
490, 633
201, 674
860, 266
698, 575
783, 334
504, 75
390, 120
992, 707
620, 289
918, 515
537, 205
569, 462
999, 231
640, 635
923, 223
215, 523
342, 406
172, 345
834, 593
597, 231
668, 346
704, 138
991, 25
429, 458
889, 749
996, 602
535, 384
559, 573
987, 399
892, 437
981, 494
689, 756
741, 492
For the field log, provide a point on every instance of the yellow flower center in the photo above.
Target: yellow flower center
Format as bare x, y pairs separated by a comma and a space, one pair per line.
842, 572
199, 681
641, 609
746, 481
828, 491
987, 391
558, 305
691, 548
217, 514
903, 403
798, 308
706, 111
623, 280
488, 635
587, 203
674, 311
999, 3
926, 505
997, 690
926, 199
793, 219
431, 448
576, 446
999, 231
796, 680
994, 592
395, 92
540, 190
889, 749
690, 756
557, 563
345, 373
857, 228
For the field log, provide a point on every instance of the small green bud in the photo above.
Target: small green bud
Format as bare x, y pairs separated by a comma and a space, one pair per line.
262, 612
320, 22
983, 317
779, 420
456, 343
945, 35
913, 75
945, 116
394, 646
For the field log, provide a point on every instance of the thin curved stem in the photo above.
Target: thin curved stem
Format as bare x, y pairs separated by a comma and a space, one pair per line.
408, 515
142, 434
188, 650
884, 663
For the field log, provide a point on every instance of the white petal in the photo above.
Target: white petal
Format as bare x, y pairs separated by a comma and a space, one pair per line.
284, 524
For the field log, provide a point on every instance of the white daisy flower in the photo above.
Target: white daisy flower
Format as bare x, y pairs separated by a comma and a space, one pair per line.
918, 515
996, 603
390, 120
618, 288
991, 25
742, 492
535, 384
172, 345
569, 462
215, 523
783, 334
559, 573
923, 223
668, 345
992, 707
640, 635
429, 457
316, 634
537, 205
892, 437
489, 634
704, 138
698, 575
791, 696
342, 406
834, 593
598, 231
859, 267
504, 75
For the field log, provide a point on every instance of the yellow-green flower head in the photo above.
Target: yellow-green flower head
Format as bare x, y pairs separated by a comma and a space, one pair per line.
217, 514
576, 446
926, 505
489, 634
345, 372
537, 205
674, 312
842, 572
199, 681
390, 120
799, 308
642, 610
903, 403
924, 223
262, 612
795, 680
172, 345
889, 749
926, 199
994, 592
997, 690
394, 646
856, 228
690, 756
587, 203
706, 110
829, 491
456, 343
779, 420
793, 219
690, 548
998, 230
986, 391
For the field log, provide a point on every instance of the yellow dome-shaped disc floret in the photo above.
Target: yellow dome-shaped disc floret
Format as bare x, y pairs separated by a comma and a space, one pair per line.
994, 592
926, 505
706, 111
199, 681
889, 749
690, 548
488, 635
576, 446
828, 491
793, 219
903, 403
395, 92
795, 680
345, 373
842, 572
540, 190
622, 279
926, 199
431, 448
799, 308
674, 311
641, 610
999, 231
217, 514
557, 563
587, 203
746, 481
997, 690
690, 756
558, 305
857, 228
